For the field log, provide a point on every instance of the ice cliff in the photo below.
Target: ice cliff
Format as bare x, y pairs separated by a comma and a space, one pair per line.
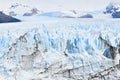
56, 50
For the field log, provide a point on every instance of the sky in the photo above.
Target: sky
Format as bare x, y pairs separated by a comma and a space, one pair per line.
49, 5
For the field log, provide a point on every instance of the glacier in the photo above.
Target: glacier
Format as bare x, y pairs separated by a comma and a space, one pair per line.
56, 48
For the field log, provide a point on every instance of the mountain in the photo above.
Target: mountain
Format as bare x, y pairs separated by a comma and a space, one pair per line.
116, 14
5, 18
113, 9
39, 7
86, 16
17, 9
60, 5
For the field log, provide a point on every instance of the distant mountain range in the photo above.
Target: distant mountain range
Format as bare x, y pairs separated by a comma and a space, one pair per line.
112, 10
17, 9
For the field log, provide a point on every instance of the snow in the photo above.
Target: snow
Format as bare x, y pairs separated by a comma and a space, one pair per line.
58, 8
17, 9
61, 14
53, 5
55, 44
46, 48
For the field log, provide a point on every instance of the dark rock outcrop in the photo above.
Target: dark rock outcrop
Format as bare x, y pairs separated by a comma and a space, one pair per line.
86, 16
111, 8
116, 15
5, 18
110, 51
34, 11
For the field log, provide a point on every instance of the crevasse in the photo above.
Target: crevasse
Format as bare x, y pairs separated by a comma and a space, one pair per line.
75, 44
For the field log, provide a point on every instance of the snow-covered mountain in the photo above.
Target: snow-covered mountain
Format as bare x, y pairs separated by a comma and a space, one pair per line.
59, 8
113, 9
17, 9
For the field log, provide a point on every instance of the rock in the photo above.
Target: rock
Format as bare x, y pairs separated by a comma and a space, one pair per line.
86, 16
12, 13
116, 15
32, 12
5, 18
112, 7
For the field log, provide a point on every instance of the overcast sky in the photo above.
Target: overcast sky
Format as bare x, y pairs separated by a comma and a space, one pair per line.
82, 5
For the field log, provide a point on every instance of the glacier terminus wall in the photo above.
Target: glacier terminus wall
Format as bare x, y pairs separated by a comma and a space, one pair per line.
58, 49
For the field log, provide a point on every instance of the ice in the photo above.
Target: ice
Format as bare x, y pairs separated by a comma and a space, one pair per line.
61, 14
49, 48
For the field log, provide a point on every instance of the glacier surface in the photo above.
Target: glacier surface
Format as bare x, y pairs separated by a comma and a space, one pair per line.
56, 48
